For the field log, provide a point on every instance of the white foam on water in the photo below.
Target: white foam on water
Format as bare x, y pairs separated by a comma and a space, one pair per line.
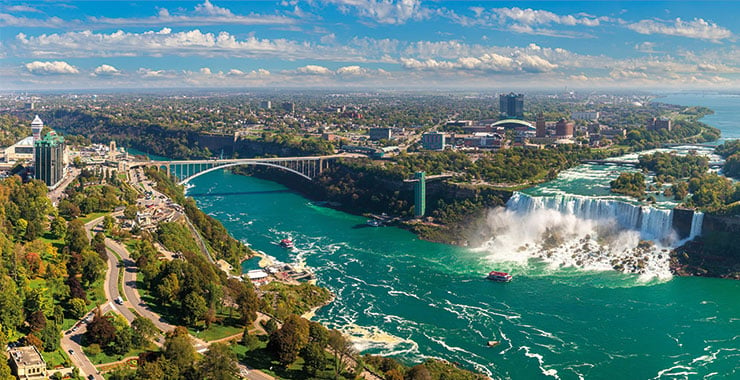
541, 362
593, 234
374, 338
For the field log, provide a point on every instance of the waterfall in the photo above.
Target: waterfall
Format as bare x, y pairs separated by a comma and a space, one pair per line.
696, 223
652, 223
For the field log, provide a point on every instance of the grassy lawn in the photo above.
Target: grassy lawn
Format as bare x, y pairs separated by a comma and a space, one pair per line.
56, 243
230, 326
93, 215
68, 323
96, 293
103, 358
55, 358
262, 360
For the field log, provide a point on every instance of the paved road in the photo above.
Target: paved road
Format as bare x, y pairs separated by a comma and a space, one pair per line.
56, 194
71, 341
112, 273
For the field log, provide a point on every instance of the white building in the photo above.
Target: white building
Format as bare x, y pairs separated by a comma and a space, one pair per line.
22, 150
588, 115
27, 363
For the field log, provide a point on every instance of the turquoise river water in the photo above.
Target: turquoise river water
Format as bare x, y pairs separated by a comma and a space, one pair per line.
400, 296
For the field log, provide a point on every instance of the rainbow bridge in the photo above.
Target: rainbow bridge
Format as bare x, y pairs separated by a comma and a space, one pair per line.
185, 170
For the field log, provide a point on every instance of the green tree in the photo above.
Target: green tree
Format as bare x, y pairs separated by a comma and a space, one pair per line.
315, 358
144, 330
271, 326
342, 349
108, 223
68, 210
123, 341
11, 306
251, 342
150, 370
288, 341
169, 289
219, 363
50, 336
93, 267
76, 238
130, 212
5, 373
194, 307
20, 229
38, 300
178, 349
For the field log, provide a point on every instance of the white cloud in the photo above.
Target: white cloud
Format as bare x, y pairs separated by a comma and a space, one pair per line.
541, 17
314, 70
203, 14
528, 21
489, 62
384, 11
21, 8
193, 42
356, 71
209, 9
697, 28
646, 47
50, 68
149, 73
105, 70
254, 74
627, 74
205, 71
7, 19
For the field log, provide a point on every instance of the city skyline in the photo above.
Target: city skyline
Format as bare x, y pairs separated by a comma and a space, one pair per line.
368, 43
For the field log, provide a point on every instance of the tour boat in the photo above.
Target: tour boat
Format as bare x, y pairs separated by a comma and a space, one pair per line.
499, 276
286, 243
374, 223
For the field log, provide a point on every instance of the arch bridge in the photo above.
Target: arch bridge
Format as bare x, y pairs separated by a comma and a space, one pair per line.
185, 170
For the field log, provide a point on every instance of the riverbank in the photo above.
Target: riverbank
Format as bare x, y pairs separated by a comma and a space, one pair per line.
402, 297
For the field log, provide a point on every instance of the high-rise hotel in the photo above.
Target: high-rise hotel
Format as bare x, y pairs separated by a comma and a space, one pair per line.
49, 158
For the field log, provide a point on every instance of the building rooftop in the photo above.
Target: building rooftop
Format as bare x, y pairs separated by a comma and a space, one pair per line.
26, 356
28, 141
51, 138
513, 122
37, 122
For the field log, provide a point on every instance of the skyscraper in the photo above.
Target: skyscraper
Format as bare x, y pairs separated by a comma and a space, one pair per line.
49, 158
511, 105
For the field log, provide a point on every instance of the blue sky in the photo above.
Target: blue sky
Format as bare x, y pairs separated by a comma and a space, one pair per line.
370, 43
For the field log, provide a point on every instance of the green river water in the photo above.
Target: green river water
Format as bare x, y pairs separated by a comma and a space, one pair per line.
400, 296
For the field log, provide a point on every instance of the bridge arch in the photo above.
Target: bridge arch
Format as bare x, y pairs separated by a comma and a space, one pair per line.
270, 164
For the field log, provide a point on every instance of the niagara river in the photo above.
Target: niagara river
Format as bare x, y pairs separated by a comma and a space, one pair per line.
567, 315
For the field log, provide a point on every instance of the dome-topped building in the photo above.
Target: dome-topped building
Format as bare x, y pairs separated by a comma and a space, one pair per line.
36, 126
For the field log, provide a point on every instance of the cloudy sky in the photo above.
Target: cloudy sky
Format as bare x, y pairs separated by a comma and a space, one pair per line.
369, 43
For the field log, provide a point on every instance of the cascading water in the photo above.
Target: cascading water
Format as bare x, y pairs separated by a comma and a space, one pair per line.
696, 223
585, 232
652, 223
